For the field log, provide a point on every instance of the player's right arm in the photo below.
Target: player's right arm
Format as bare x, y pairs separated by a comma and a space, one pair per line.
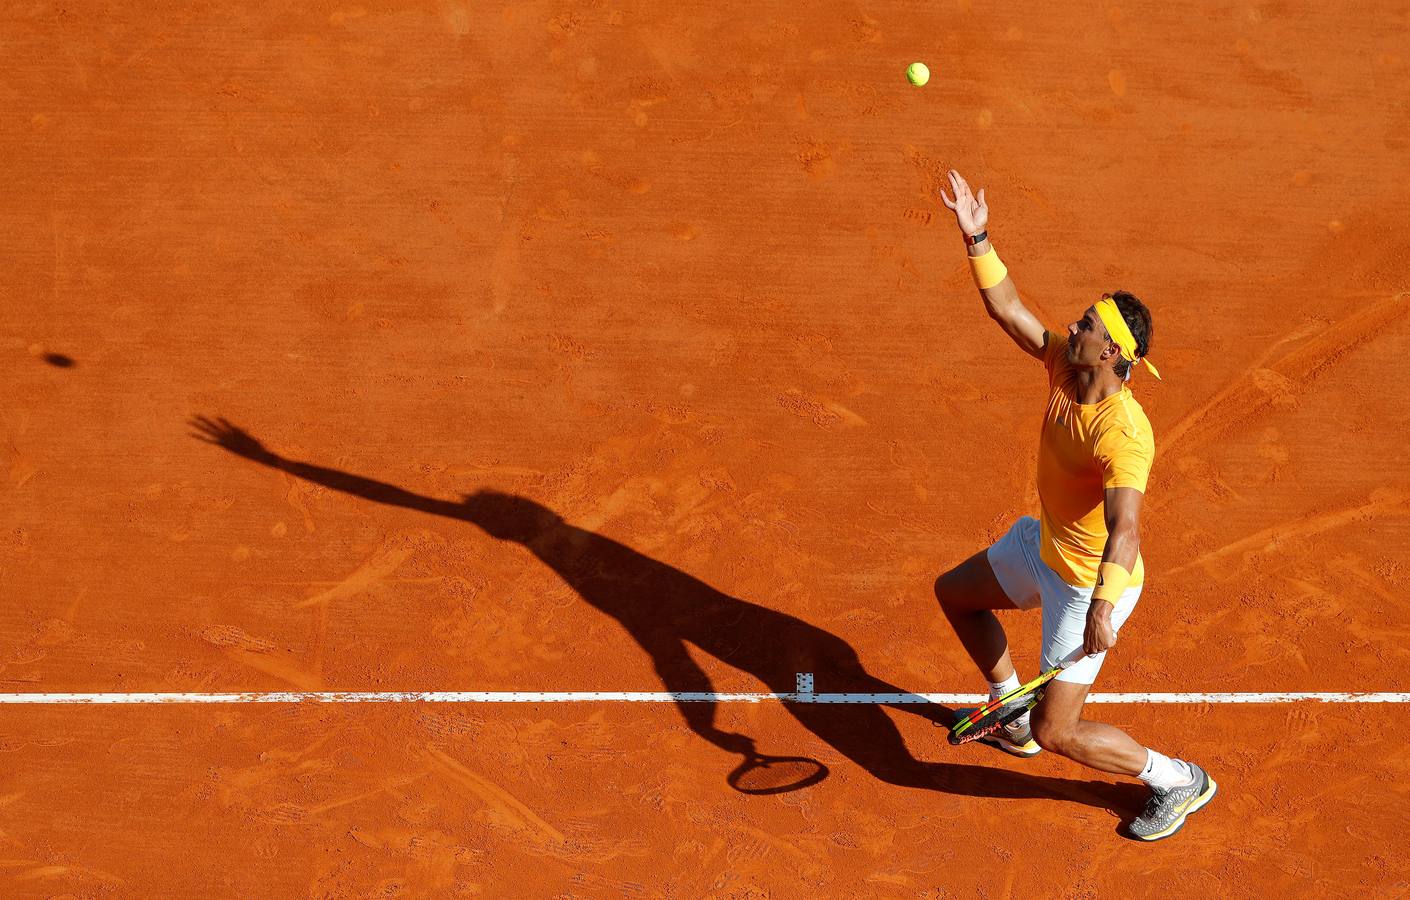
1004, 306
1001, 300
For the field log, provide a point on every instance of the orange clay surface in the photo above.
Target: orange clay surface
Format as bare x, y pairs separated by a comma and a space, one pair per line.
678, 274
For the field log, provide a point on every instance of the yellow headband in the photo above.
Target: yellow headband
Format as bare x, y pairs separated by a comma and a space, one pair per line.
1116, 327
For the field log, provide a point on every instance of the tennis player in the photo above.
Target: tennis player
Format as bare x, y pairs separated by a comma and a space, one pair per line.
1080, 562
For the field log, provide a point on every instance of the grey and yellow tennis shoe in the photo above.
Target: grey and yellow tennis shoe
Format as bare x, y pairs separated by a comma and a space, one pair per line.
1166, 811
1015, 739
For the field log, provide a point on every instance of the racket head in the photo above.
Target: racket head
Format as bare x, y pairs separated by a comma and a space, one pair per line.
762, 775
972, 727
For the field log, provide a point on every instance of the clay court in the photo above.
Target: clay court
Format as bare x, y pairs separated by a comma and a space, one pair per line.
672, 284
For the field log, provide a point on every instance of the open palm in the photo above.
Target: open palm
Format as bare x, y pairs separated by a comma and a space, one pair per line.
971, 213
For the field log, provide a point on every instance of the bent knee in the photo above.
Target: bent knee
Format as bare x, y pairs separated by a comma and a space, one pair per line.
1055, 737
971, 586
952, 591
943, 588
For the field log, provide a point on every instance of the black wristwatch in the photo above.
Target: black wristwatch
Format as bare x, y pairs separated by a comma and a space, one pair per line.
972, 240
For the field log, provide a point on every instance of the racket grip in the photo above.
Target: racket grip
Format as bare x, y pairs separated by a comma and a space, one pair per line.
1072, 659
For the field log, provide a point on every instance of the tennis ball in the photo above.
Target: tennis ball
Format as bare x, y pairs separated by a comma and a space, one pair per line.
917, 74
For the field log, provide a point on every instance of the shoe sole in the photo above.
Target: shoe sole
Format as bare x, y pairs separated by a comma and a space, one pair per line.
1010, 748
1179, 823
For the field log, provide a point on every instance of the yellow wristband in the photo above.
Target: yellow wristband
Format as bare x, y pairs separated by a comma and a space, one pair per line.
988, 270
1111, 582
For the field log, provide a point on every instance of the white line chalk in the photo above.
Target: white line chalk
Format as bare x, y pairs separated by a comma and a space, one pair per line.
803, 695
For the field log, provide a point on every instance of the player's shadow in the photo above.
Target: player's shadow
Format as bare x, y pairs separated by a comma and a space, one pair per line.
664, 609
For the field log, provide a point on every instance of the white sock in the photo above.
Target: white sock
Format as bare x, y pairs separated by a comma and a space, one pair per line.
1163, 773
999, 688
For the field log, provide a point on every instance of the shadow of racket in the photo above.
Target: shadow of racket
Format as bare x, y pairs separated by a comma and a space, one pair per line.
761, 774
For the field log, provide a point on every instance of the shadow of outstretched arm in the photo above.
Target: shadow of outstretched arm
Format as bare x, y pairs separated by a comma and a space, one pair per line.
508, 518
239, 442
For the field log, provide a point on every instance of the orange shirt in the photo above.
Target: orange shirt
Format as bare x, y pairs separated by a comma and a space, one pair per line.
1085, 448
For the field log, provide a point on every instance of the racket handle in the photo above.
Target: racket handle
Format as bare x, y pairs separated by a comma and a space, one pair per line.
1075, 657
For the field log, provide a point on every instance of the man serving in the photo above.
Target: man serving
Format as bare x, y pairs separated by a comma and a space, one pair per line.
1081, 562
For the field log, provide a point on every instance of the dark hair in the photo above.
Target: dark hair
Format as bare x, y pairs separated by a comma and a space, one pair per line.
1138, 319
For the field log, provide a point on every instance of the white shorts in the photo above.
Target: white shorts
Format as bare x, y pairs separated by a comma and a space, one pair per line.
1029, 582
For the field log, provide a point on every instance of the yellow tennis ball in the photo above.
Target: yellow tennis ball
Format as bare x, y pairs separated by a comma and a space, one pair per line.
917, 74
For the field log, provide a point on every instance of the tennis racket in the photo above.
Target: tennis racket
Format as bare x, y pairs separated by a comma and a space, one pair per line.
992, 716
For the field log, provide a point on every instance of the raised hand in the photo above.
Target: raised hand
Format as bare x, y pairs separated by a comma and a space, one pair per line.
971, 213
223, 433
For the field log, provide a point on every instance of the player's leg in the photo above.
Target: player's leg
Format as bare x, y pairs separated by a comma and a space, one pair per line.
1058, 726
1057, 719
1177, 788
968, 594
1001, 577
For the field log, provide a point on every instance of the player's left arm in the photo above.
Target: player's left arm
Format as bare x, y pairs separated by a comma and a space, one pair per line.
1122, 509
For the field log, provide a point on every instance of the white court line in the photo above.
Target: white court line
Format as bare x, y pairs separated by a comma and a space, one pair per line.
658, 697
804, 694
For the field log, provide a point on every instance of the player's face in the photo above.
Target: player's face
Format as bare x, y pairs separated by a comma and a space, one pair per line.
1087, 338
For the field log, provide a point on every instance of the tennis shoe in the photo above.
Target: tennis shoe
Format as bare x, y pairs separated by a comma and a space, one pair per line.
1166, 811
1015, 738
